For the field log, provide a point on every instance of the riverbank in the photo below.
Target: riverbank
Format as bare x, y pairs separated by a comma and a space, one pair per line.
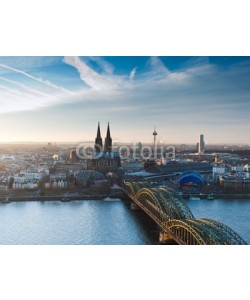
66, 198
52, 198
218, 196
62, 197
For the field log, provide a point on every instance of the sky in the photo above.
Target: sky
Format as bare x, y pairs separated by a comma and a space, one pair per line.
61, 99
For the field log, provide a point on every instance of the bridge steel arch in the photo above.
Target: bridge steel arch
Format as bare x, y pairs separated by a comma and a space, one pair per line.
226, 232
148, 198
184, 211
211, 232
166, 203
129, 188
208, 234
182, 231
134, 186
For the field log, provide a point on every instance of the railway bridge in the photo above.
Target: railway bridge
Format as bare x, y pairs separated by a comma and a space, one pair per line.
176, 220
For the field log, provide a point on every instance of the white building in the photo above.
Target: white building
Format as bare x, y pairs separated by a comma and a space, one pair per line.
238, 168
8, 157
29, 175
219, 170
26, 180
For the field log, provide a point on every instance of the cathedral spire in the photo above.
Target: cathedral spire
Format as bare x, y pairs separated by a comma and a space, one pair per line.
98, 140
98, 132
108, 141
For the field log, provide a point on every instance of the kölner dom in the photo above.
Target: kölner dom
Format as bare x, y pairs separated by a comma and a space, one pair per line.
105, 159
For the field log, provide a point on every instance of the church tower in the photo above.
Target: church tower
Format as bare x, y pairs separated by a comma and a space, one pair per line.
108, 142
98, 141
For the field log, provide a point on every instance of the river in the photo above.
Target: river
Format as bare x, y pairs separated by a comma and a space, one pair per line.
98, 222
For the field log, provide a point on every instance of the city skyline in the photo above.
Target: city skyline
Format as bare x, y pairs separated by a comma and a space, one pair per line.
61, 99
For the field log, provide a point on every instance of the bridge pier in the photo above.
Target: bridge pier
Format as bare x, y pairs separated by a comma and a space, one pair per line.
166, 238
134, 206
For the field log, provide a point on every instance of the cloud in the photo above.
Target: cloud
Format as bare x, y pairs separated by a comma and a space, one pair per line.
46, 82
106, 67
196, 97
158, 69
132, 73
89, 76
158, 74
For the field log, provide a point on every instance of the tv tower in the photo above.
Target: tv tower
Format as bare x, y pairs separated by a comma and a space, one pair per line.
155, 150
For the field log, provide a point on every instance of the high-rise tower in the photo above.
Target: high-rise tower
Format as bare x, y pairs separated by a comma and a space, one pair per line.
202, 144
98, 141
108, 142
155, 150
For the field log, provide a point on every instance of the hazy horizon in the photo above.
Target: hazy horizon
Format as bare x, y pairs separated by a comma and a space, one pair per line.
56, 99
118, 143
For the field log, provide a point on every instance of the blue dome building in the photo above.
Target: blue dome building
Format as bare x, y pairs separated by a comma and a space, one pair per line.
191, 178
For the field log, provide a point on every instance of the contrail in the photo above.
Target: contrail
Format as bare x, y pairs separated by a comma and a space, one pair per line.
48, 83
25, 87
12, 91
